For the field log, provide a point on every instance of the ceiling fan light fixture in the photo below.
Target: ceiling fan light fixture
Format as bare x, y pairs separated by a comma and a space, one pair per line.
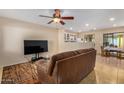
56, 20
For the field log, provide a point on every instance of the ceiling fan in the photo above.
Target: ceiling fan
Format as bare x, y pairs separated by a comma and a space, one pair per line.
57, 18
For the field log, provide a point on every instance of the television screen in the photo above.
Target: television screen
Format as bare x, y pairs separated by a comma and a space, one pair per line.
35, 46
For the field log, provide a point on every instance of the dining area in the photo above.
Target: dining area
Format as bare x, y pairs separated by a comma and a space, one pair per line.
112, 51
113, 45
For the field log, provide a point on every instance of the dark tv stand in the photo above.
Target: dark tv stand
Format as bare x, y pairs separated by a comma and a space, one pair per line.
37, 57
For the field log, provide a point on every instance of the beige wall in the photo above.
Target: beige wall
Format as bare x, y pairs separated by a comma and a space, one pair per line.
12, 34
99, 35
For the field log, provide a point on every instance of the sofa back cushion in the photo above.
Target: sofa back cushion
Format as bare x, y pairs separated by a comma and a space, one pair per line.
59, 57
83, 50
64, 55
74, 69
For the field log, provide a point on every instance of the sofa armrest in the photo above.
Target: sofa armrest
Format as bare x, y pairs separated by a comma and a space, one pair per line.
42, 70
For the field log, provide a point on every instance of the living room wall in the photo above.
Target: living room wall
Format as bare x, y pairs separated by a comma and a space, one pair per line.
99, 35
12, 34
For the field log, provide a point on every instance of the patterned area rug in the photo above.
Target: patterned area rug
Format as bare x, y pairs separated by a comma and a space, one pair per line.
25, 73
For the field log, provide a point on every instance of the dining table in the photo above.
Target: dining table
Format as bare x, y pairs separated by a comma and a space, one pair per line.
114, 51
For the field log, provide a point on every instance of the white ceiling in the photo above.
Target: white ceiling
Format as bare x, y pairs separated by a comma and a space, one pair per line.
96, 18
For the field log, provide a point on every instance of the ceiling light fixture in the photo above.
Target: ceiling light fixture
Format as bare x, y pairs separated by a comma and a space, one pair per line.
86, 25
112, 19
70, 28
56, 20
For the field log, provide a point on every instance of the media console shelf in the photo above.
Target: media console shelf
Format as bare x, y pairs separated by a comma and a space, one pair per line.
37, 57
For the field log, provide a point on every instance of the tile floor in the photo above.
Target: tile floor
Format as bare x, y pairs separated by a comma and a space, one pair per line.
108, 70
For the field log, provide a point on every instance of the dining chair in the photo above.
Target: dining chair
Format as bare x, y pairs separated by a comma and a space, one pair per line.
120, 54
104, 52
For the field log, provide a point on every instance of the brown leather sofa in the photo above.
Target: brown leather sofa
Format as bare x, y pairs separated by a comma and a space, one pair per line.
67, 67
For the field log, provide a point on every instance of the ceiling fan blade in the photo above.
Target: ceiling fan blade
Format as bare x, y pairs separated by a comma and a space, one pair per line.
50, 22
67, 18
45, 16
63, 23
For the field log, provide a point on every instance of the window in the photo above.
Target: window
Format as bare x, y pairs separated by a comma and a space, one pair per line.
113, 39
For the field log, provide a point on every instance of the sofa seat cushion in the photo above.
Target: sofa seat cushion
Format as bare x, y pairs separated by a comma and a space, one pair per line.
59, 57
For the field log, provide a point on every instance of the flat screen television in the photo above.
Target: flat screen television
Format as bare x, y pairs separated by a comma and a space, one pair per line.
35, 46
